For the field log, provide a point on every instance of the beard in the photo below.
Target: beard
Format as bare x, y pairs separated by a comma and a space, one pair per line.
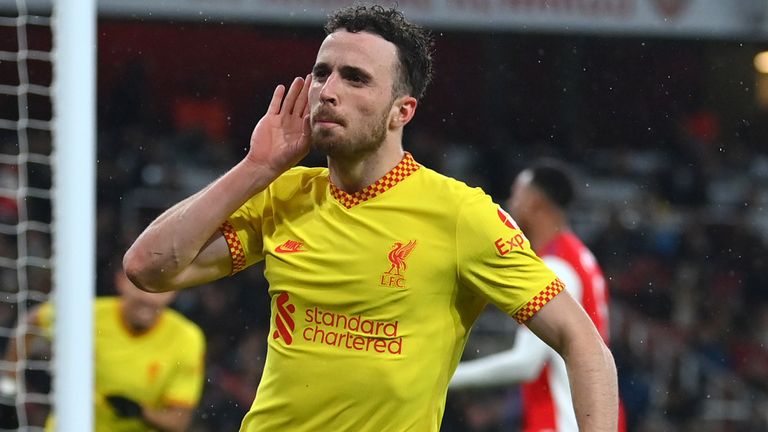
370, 138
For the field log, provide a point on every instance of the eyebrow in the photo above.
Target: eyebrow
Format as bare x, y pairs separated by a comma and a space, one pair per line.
320, 67
344, 70
352, 70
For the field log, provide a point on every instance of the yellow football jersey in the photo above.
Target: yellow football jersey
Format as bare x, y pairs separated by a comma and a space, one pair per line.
374, 293
161, 367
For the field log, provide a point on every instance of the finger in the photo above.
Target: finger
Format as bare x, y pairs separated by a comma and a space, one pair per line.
303, 100
277, 98
306, 129
307, 107
293, 95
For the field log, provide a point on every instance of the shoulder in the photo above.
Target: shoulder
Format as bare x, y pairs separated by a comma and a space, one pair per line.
470, 211
290, 186
571, 248
298, 180
105, 305
106, 312
448, 189
460, 203
105, 302
302, 175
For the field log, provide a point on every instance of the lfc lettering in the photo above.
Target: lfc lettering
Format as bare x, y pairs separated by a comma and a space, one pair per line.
390, 280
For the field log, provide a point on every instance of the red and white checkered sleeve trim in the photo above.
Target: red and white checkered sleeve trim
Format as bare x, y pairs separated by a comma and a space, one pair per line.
236, 250
526, 312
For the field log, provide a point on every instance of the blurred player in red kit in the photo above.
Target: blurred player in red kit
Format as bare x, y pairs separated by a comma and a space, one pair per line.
538, 201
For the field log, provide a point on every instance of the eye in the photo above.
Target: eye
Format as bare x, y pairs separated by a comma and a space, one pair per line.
319, 74
356, 79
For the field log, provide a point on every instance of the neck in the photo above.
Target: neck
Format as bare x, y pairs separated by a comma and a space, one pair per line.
133, 327
356, 173
548, 225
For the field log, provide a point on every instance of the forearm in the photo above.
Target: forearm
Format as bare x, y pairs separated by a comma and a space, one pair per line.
173, 240
168, 419
564, 326
592, 376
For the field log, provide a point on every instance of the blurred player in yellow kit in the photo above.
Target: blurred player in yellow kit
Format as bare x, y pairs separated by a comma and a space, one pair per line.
377, 266
149, 361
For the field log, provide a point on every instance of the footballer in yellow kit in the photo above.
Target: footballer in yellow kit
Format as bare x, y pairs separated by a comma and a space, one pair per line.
372, 291
163, 366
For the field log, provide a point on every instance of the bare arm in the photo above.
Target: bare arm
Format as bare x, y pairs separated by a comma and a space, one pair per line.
183, 247
564, 326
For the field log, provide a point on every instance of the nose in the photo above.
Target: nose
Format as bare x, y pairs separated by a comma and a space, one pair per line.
328, 91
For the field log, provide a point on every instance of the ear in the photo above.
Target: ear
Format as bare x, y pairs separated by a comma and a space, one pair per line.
538, 199
403, 110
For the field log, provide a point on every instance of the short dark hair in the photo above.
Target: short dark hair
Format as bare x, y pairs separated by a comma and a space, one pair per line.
555, 180
414, 43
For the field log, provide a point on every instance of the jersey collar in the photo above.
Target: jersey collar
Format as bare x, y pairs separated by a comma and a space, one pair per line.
400, 172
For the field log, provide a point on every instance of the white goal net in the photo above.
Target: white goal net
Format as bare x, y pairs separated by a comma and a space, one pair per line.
33, 106
25, 207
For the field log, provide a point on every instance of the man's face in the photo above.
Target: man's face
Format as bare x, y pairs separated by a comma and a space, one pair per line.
140, 310
522, 198
351, 98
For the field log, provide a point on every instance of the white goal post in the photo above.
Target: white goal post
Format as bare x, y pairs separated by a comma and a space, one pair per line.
74, 210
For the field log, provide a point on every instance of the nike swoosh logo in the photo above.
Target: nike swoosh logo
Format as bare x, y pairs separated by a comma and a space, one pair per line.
290, 246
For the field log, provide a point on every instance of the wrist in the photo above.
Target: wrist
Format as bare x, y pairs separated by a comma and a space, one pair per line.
260, 173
